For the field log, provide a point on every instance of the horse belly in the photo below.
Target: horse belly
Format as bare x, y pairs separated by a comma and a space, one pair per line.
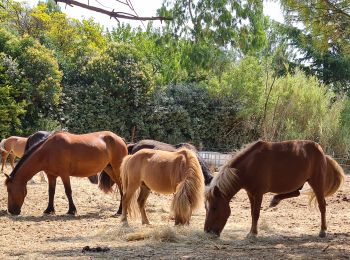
158, 180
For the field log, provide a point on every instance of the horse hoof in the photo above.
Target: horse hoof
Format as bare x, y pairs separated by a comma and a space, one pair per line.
322, 233
124, 223
274, 202
49, 212
252, 235
71, 213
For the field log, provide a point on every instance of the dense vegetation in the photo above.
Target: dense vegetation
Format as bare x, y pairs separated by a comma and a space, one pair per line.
219, 75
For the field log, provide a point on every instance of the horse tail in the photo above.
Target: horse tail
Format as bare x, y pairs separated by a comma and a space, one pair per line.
189, 192
105, 182
334, 178
124, 174
2, 145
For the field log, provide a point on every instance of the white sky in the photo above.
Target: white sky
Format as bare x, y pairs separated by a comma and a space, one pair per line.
143, 8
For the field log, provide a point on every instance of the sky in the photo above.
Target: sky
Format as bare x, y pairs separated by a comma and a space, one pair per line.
143, 8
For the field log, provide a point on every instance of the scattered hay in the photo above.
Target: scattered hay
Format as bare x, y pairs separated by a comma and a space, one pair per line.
162, 234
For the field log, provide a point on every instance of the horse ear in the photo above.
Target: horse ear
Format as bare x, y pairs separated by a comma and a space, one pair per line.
6, 175
217, 192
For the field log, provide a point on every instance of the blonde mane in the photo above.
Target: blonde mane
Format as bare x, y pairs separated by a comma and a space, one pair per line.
227, 179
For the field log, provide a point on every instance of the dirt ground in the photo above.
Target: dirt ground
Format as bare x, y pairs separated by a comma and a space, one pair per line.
287, 232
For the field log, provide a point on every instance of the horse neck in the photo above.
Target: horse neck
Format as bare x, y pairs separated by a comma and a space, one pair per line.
29, 168
231, 185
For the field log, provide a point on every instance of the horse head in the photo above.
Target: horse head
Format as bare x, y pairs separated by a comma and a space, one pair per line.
16, 194
217, 211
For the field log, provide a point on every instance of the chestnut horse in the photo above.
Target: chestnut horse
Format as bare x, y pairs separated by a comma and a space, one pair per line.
64, 154
13, 146
176, 172
156, 145
43, 135
281, 168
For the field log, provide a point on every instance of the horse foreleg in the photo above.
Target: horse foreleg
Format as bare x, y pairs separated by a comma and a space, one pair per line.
141, 200
67, 188
255, 204
52, 188
279, 197
12, 160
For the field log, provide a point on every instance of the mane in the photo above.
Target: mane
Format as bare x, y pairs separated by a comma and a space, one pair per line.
37, 137
227, 179
25, 157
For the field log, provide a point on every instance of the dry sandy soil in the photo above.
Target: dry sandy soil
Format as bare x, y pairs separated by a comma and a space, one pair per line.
287, 232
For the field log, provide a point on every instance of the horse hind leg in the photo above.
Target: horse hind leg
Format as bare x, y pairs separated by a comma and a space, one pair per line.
12, 160
114, 174
317, 187
4, 156
129, 192
72, 210
52, 188
279, 197
144, 193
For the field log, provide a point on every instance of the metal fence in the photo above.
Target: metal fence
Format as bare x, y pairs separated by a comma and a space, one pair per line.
215, 159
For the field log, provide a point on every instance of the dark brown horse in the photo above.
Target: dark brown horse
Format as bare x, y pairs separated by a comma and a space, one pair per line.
63, 155
280, 168
156, 145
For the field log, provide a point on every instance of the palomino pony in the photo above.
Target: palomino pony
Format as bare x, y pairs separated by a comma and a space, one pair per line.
176, 172
13, 146
281, 168
64, 154
156, 145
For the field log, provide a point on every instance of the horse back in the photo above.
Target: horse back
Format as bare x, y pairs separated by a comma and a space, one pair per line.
87, 152
160, 170
281, 167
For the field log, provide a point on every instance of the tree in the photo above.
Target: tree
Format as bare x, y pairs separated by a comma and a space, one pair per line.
327, 21
115, 14
239, 24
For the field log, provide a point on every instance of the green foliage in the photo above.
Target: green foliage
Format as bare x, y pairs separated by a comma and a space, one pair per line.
31, 79
113, 95
240, 24
328, 22
220, 75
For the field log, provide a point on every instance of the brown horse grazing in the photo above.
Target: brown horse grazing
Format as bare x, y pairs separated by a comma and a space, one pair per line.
13, 146
281, 168
176, 172
64, 154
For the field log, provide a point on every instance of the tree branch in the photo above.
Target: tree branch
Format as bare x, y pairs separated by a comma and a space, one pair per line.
113, 14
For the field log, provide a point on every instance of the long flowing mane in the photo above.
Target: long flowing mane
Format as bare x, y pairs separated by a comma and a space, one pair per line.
227, 179
25, 157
